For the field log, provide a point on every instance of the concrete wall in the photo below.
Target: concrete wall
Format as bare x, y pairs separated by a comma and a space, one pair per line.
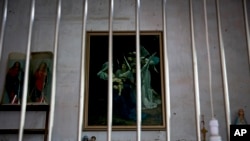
183, 126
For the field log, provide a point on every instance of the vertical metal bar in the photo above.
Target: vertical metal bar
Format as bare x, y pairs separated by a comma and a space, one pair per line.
195, 71
26, 75
209, 60
247, 28
166, 70
3, 26
110, 71
53, 92
224, 71
82, 84
138, 71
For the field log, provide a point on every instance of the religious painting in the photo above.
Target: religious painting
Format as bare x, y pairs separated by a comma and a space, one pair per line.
124, 81
14, 78
40, 78
39, 83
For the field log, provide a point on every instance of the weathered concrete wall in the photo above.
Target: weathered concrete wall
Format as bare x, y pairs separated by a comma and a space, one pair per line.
179, 51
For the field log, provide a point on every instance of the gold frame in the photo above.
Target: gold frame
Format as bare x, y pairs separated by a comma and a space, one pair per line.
86, 126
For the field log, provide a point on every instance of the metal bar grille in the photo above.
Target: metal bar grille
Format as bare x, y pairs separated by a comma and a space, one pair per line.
247, 28
166, 71
82, 84
53, 92
224, 70
110, 72
138, 71
195, 73
4, 18
26, 75
209, 58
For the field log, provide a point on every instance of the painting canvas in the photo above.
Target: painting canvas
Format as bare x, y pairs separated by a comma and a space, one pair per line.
124, 81
40, 77
13, 87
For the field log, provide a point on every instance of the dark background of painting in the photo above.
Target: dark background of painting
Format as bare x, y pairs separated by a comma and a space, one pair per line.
98, 88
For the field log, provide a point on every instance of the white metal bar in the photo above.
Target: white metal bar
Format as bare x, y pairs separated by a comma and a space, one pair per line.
209, 59
195, 71
247, 28
166, 71
83, 61
110, 71
224, 72
138, 71
53, 91
26, 73
5, 7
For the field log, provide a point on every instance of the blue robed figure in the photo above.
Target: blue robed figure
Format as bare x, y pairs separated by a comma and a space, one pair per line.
124, 86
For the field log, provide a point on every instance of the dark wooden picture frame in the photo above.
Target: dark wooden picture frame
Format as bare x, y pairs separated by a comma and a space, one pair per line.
124, 84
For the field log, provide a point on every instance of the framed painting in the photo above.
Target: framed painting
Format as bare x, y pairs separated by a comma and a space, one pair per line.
124, 83
14, 79
40, 78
